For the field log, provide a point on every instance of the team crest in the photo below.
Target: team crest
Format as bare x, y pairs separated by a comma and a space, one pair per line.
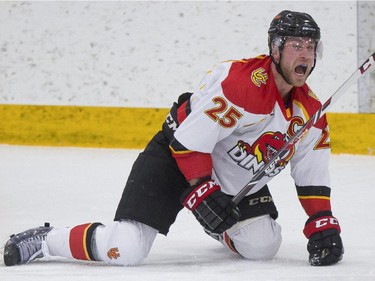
259, 76
113, 253
261, 152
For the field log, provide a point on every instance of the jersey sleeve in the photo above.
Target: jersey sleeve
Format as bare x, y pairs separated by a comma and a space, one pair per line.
212, 117
310, 169
209, 118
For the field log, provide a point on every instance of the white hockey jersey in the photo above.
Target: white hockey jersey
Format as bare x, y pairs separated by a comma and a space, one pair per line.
236, 120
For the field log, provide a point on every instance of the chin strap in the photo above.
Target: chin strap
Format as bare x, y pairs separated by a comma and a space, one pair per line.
278, 68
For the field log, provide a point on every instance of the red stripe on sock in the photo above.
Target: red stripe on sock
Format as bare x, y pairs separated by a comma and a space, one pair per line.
77, 242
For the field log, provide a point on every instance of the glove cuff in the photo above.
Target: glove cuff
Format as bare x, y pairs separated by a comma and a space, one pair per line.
199, 193
321, 223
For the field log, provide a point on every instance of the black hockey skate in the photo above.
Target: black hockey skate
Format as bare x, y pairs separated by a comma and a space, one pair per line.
25, 246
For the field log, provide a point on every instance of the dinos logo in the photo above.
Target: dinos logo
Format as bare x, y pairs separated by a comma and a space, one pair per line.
259, 76
261, 152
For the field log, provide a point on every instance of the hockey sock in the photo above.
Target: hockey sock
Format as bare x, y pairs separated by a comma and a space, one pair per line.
80, 241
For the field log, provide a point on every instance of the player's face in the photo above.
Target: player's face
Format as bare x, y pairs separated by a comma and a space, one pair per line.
297, 59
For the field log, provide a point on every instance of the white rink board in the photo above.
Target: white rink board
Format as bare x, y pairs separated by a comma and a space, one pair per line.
146, 53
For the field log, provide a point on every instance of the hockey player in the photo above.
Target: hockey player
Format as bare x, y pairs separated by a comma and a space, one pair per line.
211, 144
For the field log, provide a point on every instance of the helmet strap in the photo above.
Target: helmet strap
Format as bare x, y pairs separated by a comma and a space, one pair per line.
278, 67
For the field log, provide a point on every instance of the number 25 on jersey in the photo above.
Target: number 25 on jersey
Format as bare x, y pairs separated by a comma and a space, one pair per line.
226, 117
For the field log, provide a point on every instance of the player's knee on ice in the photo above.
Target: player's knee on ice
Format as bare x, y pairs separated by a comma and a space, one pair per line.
256, 238
124, 242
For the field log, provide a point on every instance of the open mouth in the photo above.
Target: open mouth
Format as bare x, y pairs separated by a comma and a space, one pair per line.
301, 69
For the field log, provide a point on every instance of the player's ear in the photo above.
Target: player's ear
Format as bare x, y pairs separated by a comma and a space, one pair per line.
275, 52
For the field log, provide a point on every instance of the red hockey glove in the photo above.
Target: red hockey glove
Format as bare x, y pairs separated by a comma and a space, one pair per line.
214, 210
325, 245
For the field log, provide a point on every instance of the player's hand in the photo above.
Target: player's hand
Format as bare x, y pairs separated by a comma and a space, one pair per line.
325, 245
214, 210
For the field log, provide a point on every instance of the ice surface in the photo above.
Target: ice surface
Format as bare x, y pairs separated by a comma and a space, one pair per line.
69, 186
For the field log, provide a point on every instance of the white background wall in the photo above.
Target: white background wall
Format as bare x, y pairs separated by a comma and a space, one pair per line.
366, 45
144, 54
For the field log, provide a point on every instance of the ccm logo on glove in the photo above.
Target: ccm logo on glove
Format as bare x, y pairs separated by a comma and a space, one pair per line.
199, 194
326, 221
321, 224
214, 209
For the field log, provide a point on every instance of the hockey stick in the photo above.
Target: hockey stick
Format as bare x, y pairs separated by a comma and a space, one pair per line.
284, 150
